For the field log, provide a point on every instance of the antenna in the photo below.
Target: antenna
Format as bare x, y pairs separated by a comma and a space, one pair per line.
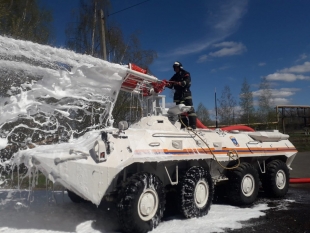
216, 122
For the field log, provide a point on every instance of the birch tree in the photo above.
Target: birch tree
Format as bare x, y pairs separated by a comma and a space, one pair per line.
227, 105
265, 110
203, 114
83, 36
246, 104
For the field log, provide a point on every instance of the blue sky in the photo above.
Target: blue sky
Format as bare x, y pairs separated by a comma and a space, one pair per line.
219, 42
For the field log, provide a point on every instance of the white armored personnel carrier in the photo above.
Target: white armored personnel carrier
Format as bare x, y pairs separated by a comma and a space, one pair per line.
135, 164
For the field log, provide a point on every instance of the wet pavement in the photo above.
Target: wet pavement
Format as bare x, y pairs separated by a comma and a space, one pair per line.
301, 165
294, 215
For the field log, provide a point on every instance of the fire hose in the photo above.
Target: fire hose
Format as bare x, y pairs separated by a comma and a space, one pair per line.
233, 154
299, 180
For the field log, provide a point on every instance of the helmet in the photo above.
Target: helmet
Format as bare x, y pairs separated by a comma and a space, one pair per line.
177, 63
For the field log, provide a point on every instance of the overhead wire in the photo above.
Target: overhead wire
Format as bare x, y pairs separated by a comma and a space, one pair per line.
119, 12
128, 7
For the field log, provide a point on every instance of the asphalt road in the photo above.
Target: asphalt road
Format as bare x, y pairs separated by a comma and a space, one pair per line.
293, 217
301, 165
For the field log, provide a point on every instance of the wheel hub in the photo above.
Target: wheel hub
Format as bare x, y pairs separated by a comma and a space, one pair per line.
280, 179
201, 193
248, 184
148, 204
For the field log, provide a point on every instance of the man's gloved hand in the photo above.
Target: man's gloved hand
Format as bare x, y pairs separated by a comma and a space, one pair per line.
177, 83
167, 84
172, 83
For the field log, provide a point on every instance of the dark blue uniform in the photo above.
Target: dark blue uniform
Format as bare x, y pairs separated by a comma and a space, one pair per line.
181, 82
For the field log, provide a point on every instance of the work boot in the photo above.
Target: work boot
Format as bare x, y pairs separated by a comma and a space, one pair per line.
184, 122
192, 121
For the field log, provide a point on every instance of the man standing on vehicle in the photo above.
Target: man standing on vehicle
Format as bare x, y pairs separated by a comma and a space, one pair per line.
181, 82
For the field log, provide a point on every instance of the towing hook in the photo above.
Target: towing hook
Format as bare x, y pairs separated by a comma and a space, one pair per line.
104, 137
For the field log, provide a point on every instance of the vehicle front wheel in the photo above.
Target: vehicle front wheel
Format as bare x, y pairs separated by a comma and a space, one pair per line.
276, 179
243, 184
195, 192
141, 203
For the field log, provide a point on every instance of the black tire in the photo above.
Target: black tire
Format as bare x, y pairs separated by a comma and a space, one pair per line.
243, 184
195, 192
141, 189
75, 198
276, 179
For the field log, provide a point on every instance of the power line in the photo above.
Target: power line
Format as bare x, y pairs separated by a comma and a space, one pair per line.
128, 7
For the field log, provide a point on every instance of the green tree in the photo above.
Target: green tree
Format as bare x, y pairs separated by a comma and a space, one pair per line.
227, 105
83, 36
83, 32
203, 114
5, 6
246, 104
265, 111
26, 20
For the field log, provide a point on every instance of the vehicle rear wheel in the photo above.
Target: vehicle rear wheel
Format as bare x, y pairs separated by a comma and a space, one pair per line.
276, 179
195, 192
141, 203
243, 184
75, 198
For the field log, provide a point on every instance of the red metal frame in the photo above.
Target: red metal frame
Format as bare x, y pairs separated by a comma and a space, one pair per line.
138, 81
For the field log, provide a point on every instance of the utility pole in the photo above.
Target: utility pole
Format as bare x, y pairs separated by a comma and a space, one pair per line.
102, 35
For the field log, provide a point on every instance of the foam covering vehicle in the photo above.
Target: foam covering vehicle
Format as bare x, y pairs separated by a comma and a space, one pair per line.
139, 165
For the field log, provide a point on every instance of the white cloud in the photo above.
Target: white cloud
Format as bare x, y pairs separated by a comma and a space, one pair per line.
190, 49
223, 22
202, 58
232, 12
280, 101
227, 48
291, 74
284, 92
224, 44
287, 77
301, 57
257, 93
261, 64
279, 96
221, 68
304, 68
